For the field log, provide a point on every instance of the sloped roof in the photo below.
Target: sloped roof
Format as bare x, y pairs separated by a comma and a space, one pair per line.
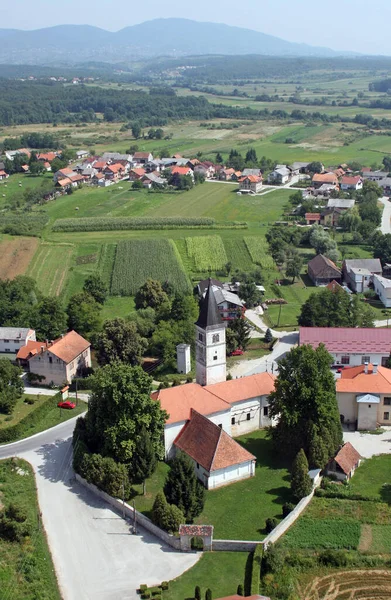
69, 347
348, 339
351, 180
341, 203
334, 286
325, 178
209, 445
323, 267
14, 333
236, 390
209, 312
30, 349
178, 401
204, 284
371, 264
355, 380
222, 295
385, 283
142, 155
347, 458
312, 216
180, 170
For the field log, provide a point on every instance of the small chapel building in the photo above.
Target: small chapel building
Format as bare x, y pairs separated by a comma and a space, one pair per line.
203, 416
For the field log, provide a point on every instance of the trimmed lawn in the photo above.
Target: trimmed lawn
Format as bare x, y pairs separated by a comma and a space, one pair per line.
21, 410
50, 267
221, 572
373, 478
26, 568
153, 486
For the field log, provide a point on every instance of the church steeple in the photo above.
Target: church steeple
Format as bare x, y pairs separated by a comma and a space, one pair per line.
210, 341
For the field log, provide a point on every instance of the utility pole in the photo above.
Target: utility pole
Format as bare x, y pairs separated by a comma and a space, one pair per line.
76, 390
134, 518
279, 315
123, 499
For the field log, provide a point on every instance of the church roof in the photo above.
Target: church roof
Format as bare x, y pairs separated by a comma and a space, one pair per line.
209, 445
209, 311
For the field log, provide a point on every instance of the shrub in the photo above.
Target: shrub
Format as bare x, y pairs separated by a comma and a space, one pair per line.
287, 508
271, 523
145, 595
208, 594
30, 401
301, 483
333, 558
166, 516
197, 593
105, 473
256, 570
143, 587
165, 585
273, 559
240, 591
9, 434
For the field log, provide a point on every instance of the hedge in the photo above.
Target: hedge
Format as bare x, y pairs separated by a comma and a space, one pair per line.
141, 223
256, 570
17, 431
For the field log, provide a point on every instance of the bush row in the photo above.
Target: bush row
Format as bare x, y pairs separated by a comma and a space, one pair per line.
117, 223
256, 570
23, 224
344, 494
15, 432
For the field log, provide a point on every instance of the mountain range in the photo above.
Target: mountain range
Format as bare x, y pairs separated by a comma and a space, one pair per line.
159, 37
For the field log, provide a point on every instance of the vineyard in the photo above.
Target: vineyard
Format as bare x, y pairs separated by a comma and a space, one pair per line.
138, 260
132, 223
259, 252
208, 252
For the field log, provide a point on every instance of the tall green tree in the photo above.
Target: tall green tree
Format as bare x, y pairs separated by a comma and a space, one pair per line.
84, 314
182, 487
301, 484
136, 130
11, 385
304, 402
242, 332
150, 294
96, 287
120, 405
120, 341
335, 308
144, 459
48, 318
294, 263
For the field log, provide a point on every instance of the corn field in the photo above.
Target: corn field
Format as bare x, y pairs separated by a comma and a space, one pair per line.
259, 252
208, 252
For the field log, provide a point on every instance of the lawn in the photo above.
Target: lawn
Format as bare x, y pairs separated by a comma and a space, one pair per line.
21, 410
26, 568
50, 267
221, 572
373, 478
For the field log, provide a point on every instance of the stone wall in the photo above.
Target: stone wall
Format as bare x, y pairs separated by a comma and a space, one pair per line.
141, 520
234, 546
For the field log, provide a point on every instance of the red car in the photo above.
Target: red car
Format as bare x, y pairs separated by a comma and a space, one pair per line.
66, 404
237, 352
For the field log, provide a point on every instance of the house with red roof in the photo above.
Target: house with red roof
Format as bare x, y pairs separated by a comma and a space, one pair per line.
250, 184
182, 171
350, 346
142, 157
312, 218
136, 173
320, 179
344, 463
347, 184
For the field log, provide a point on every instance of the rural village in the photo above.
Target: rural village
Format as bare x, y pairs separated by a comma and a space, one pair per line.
195, 366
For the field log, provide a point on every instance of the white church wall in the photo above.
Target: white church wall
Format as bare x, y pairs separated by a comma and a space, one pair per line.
245, 416
222, 419
231, 474
171, 430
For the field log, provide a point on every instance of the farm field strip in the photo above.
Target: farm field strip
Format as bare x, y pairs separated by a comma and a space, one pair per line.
15, 256
208, 252
50, 268
259, 252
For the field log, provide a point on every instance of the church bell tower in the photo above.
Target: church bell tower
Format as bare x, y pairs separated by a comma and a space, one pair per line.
210, 342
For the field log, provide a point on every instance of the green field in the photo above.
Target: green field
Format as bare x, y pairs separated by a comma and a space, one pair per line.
207, 252
138, 260
26, 568
50, 267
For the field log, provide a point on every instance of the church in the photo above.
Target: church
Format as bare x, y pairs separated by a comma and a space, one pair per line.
206, 415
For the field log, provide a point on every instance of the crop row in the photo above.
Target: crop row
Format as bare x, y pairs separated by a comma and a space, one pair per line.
23, 224
208, 252
259, 252
138, 260
117, 223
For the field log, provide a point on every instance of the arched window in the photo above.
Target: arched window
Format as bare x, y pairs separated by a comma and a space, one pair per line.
216, 338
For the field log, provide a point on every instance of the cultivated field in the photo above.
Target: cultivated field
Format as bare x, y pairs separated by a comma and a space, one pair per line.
208, 253
15, 256
50, 267
349, 585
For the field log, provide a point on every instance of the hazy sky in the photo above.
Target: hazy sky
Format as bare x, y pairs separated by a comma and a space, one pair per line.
340, 24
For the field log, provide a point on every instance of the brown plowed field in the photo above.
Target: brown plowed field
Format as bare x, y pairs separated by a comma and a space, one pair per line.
15, 256
350, 585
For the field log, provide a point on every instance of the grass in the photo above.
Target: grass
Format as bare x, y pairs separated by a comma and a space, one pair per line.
50, 267
21, 410
26, 568
207, 252
221, 572
323, 533
373, 478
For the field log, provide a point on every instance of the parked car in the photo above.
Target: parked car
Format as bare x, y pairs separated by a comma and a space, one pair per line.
237, 352
67, 404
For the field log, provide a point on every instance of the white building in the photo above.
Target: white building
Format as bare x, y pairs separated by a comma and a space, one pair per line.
350, 346
183, 358
210, 342
382, 287
13, 338
358, 273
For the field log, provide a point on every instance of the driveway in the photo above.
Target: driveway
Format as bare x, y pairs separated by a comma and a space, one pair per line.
385, 226
368, 444
94, 553
266, 363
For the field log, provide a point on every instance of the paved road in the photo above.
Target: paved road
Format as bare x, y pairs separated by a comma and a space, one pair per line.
95, 556
34, 391
266, 363
385, 226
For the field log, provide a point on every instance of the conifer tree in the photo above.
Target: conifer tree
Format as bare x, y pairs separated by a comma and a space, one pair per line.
144, 459
182, 487
301, 484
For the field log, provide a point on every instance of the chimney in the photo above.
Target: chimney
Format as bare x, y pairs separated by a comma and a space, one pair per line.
42, 349
375, 365
366, 368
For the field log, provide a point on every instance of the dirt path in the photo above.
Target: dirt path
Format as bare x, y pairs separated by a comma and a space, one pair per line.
15, 256
365, 538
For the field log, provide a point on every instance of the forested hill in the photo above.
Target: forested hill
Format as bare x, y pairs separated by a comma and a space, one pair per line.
170, 37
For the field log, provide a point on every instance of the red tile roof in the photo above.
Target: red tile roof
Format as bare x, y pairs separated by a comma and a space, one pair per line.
252, 178
114, 168
236, 390
325, 178
312, 216
100, 165
355, 380
347, 458
180, 170
178, 401
334, 285
348, 339
30, 349
138, 171
2, 173
351, 180
69, 347
64, 182
144, 155
47, 156
209, 445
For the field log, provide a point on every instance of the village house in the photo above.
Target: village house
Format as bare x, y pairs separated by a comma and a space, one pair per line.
26, 352
351, 183
350, 346
232, 407
375, 175
341, 203
229, 304
382, 287
113, 157
364, 396
324, 178
62, 174
80, 154
114, 172
280, 175
62, 360
250, 184
142, 158
322, 270
385, 184
47, 157
182, 171
152, 179
299, 168
226, 174
256, 172
10, 154
312, 218
136, 173
206, 168
358, 273
344, 463
330, 216
13, 338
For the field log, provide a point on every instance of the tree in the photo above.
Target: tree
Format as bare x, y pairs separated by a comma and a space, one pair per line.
37, 168
137, 184
182, 487
136, 130
251, 156
250, 295
150, 294
144, 459
197, 593
96, 287
120, 341
11, 385
294, 263
208, 594
48, 318
184, 308
84, 314
382, 247
304, 402
315, 167
335, 308
301, 484
387, 163
242, 332
166, 516
268, 336
322, 243
219, 158
120, 406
